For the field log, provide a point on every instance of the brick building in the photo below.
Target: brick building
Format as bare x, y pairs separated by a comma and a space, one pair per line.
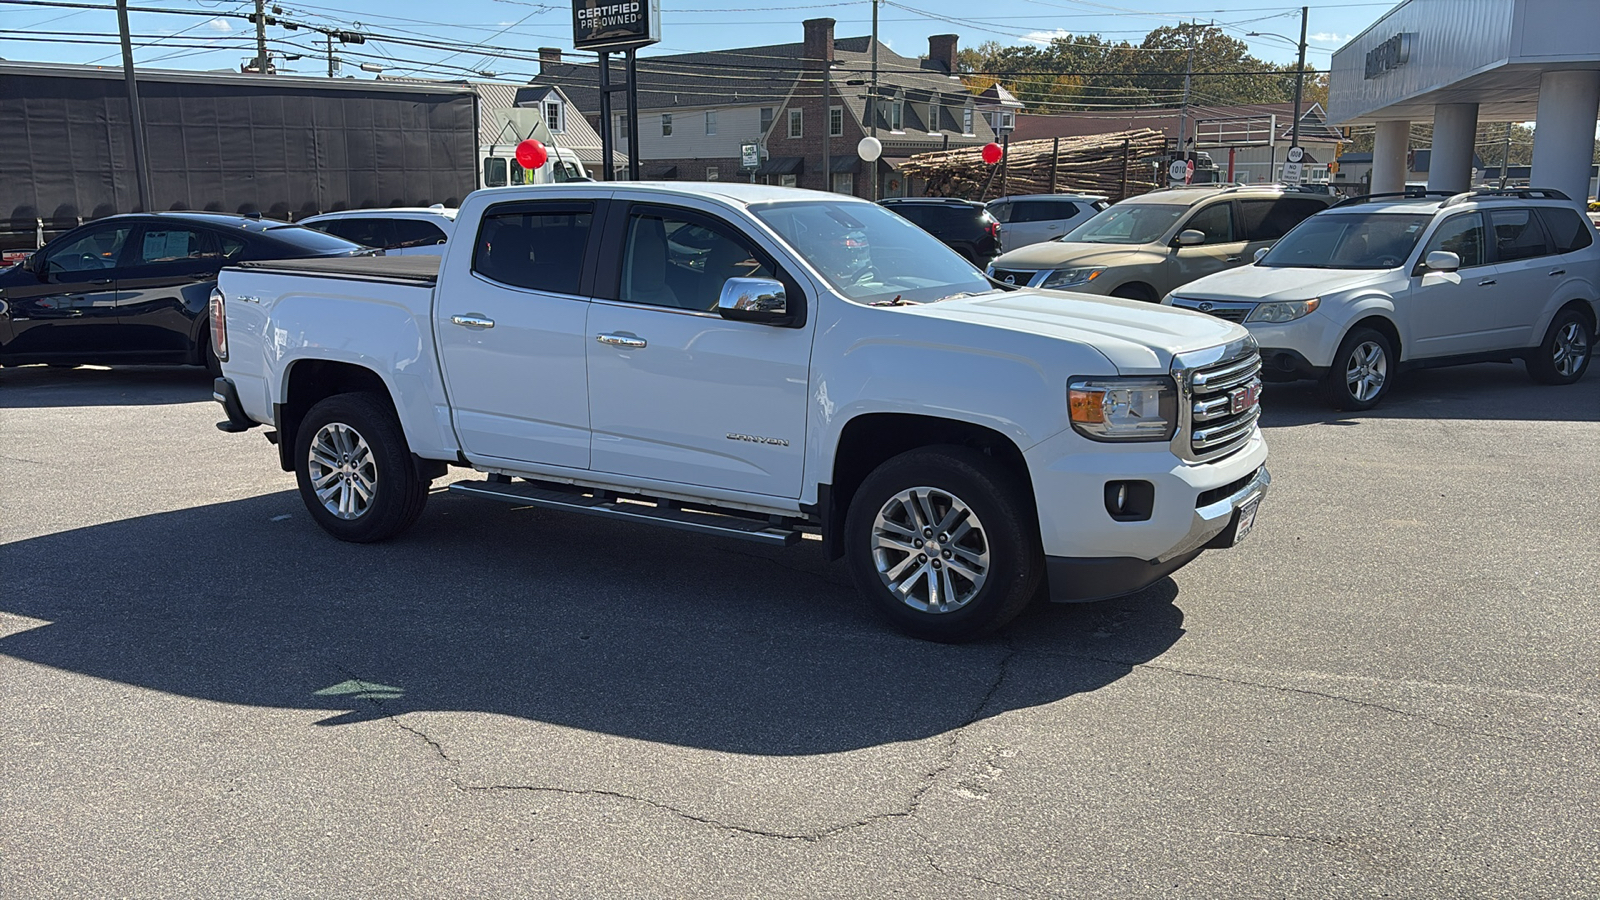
696, 110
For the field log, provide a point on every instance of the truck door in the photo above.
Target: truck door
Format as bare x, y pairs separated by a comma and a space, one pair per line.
676, 392
511, 335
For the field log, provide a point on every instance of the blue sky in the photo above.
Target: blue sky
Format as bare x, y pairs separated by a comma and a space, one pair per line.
207, 40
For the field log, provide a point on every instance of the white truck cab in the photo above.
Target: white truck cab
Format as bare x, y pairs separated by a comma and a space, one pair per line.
758, 363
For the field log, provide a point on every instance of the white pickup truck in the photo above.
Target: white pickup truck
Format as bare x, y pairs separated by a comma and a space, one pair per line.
758, 363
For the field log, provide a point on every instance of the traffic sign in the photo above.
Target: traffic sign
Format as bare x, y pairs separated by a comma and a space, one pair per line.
1178, 170
1296, 154
1293, 172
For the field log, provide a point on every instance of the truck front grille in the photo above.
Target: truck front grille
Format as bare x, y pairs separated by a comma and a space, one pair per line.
1223, 402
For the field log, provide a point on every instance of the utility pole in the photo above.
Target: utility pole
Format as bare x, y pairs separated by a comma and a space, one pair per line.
1505, 158
872, 96
141, 174
827, 122
333, 61
261, 37
1183, 114
1299, 81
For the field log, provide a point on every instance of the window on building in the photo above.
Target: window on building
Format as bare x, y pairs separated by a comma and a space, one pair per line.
622, 128
666, 124
835, 121
788, 180
711, 173
539, 248
766, 119
933, 117
552, 116
897, 115
844, 183
966, 121
1008, 120
796, 123
711, 122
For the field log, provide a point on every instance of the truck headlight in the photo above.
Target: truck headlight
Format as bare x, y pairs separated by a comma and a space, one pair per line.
1124, 409
1061, 278
1284, 311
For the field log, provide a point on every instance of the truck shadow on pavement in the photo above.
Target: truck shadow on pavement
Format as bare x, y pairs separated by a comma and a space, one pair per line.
1484, 392
609, 627
30, 387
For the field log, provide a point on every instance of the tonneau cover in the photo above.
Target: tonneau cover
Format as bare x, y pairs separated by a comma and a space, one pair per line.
418, 269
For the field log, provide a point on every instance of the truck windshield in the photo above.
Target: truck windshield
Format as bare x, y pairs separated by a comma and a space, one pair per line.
1368, 240
1127, 223
870, 254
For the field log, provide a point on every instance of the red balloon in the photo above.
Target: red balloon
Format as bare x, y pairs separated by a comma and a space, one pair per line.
992, 153
531, 154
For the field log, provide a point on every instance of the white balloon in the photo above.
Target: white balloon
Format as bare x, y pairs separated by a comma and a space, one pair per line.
869, 149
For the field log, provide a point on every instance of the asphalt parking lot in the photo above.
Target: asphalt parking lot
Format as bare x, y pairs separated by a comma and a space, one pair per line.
1389, 690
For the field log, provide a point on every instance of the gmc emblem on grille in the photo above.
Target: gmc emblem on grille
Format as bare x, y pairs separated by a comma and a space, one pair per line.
1241, 399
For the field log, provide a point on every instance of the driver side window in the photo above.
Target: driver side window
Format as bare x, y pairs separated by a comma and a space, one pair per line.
1216, 221
682, 263
1462, 235
98, 250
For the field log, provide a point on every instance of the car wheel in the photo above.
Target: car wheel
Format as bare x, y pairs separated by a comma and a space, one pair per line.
1361, 373
355, 471
944, 543
208, 357
1563, 356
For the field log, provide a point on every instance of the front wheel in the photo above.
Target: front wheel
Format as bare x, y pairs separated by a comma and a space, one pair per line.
1563, 356
943, 541
355, 471
1361, 373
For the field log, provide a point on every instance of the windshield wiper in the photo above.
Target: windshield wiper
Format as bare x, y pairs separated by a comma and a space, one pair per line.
895, 302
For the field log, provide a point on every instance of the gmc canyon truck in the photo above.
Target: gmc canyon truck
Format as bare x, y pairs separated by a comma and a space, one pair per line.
758, 363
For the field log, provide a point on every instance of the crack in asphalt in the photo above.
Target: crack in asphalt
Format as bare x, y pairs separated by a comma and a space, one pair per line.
953, 873
908, 810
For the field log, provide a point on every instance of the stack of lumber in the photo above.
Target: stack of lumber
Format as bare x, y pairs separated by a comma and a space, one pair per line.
1115, 165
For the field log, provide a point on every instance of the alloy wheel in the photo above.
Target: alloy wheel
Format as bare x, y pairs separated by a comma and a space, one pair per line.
930, 550
1571, 349
343, 472
1366, 370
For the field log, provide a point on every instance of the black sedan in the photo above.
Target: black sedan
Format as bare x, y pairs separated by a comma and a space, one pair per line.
134, 288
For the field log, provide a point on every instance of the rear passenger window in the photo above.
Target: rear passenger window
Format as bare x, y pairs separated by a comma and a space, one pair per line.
1215, 220
415, 233
1001, 212
1568, 230
1517, 234
1268, 220
535, 246
1043, 210
367, 232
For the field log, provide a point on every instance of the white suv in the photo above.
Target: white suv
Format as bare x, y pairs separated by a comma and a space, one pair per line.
401, 231
1378, 284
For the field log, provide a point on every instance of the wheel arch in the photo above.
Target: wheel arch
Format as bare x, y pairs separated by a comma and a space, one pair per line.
870, 439
1381, 324
1146, 291
307, 382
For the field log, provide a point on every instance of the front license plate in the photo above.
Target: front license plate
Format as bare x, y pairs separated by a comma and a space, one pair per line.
1247, 520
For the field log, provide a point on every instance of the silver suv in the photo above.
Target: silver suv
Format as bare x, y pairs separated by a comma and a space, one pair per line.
1145, 246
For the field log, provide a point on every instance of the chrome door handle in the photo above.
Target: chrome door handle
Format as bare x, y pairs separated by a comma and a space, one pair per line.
473, 320
1486, 282
1233, 259
620, 340
1558, 272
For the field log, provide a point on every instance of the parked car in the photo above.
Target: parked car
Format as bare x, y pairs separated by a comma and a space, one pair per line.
962, 225
402, 231
755, 362
133, 288
1145, 246
1380, 284
1031, 218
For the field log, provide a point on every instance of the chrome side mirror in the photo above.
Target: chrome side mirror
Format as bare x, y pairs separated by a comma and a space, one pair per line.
1260, 252
753, 300
1191, 236
1442, 261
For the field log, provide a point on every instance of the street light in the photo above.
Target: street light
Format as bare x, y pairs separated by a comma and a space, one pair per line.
1299, 75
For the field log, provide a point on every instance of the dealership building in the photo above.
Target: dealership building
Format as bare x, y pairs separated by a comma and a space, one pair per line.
1456, 63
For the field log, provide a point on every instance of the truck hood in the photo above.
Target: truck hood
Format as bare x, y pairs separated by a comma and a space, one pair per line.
1055, 254
1138, 338
1274, 283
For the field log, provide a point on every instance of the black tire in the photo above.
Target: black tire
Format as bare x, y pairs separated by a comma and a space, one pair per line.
397, 492
1563, 356
1135, 292
208, 358
1347, 385
1006, 532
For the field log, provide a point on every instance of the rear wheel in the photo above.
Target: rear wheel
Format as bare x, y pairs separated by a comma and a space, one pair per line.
355, 470
1563, 356
943, 541
1361, 373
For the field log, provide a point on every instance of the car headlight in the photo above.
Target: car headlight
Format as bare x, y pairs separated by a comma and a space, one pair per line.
1283, 311
1061, 278
1123, 409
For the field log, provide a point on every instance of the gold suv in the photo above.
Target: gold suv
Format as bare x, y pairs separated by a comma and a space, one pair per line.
1148, 245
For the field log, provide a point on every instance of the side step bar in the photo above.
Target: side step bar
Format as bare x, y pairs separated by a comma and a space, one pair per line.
599, 503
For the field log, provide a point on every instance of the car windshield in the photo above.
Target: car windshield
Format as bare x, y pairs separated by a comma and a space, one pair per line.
1127, 223
870, 254
1369, 240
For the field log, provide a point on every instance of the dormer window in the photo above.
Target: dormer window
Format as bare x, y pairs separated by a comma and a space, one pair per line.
897, 115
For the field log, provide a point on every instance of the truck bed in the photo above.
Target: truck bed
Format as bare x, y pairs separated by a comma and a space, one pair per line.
417, 270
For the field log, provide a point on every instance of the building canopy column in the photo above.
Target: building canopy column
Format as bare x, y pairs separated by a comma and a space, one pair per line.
1389, 146
1455, 134
1563, 142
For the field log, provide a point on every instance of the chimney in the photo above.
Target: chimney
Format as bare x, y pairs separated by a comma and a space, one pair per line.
942, 50
819, 43
549, 56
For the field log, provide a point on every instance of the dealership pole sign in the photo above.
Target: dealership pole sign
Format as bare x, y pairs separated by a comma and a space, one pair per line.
615, 24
